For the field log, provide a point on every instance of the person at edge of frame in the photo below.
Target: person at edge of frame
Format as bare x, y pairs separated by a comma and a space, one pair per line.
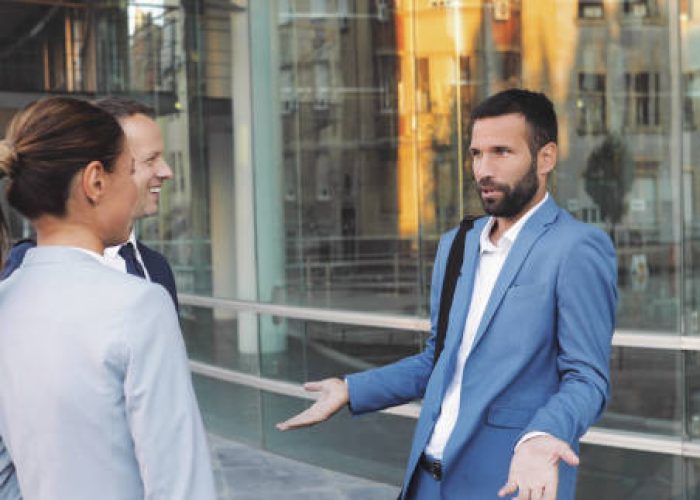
96, 399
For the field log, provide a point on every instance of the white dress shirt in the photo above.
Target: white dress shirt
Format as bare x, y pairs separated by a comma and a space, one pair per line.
114, 260
491, 259
94, 255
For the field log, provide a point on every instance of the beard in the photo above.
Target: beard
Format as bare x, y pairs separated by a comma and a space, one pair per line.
515, 198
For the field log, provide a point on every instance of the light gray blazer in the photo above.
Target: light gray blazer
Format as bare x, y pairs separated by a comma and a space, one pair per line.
96, 397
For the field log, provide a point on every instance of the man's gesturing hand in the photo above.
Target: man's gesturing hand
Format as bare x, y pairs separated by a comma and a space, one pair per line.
534, 469
333, 396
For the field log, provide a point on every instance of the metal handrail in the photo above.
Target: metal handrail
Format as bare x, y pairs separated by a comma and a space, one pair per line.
375, 320
597, 436
621, 338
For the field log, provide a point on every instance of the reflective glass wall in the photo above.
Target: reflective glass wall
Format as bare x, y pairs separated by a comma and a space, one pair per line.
318, 150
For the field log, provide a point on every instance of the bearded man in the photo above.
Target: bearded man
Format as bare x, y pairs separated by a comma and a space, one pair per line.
524, 369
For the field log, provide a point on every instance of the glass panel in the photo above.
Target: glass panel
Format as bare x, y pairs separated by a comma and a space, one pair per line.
338, 122
647, 391
313, 351
317, 350
374, 446
221, 338
373, 129
615, 168
693, 477
690, 68
353, 161
360, 446
230, 411
612, 474
692, 388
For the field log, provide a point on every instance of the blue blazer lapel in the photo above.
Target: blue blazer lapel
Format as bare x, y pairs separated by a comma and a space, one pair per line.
527, 237
461, 300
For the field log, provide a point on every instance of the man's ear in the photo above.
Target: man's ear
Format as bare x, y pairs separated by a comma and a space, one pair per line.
93, 181
547, 158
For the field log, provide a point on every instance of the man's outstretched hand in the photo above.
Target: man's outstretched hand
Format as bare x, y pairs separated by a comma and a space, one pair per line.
333, 396
534, 469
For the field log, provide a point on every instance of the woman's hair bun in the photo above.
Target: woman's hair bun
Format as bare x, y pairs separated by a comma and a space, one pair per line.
8, 157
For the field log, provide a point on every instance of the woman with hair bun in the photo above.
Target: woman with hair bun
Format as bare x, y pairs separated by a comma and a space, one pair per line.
96, 397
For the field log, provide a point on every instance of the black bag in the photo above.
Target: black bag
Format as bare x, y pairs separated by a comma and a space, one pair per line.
449, 283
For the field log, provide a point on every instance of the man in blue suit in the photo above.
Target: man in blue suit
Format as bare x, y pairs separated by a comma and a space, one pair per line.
524, 371
151, 171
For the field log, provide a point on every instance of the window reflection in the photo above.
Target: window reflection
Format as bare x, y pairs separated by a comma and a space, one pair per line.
360, 118
406, 146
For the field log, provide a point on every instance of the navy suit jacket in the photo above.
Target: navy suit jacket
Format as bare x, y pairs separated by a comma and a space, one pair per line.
159, 270
157, 266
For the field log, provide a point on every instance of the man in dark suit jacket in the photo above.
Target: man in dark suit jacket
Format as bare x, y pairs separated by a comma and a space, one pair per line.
144, 139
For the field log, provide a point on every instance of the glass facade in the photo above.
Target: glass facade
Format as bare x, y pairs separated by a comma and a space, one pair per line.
319, 150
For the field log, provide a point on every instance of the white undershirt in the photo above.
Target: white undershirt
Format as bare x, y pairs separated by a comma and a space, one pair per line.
114, 260
491, 259
92, 254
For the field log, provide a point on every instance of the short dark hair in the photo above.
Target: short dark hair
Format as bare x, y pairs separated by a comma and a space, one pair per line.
536, 107
122, 107
47, 144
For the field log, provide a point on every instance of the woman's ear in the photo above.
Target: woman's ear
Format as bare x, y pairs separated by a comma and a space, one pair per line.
546, 158
93, 181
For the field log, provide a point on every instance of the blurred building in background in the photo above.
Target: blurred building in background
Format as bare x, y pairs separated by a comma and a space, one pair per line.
320, 148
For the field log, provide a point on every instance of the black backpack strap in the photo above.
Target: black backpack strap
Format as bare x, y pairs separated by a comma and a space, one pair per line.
449, 283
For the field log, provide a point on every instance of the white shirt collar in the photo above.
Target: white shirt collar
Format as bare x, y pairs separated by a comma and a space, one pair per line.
111, 252
92, 254
508, 238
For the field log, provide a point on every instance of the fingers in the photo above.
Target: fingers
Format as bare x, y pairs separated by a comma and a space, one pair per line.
528, 493
303, 419
508, 489
550, 493
534, 470
314, 386
568, 456
311, 416
333, 396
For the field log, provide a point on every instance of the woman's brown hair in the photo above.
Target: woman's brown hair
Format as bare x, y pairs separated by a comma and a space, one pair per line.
46, 144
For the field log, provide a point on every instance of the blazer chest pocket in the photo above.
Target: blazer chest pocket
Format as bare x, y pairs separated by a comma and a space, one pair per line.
509, 418
531, 291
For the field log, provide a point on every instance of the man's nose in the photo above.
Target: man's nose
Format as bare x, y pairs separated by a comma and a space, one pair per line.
164, 171
482, 167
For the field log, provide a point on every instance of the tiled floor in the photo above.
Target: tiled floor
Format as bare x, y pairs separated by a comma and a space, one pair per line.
246, 473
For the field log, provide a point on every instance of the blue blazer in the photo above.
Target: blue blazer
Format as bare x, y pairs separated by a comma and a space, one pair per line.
539, 361
157, 266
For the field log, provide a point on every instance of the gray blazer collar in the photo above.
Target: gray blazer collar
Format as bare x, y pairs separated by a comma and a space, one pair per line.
50, 254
